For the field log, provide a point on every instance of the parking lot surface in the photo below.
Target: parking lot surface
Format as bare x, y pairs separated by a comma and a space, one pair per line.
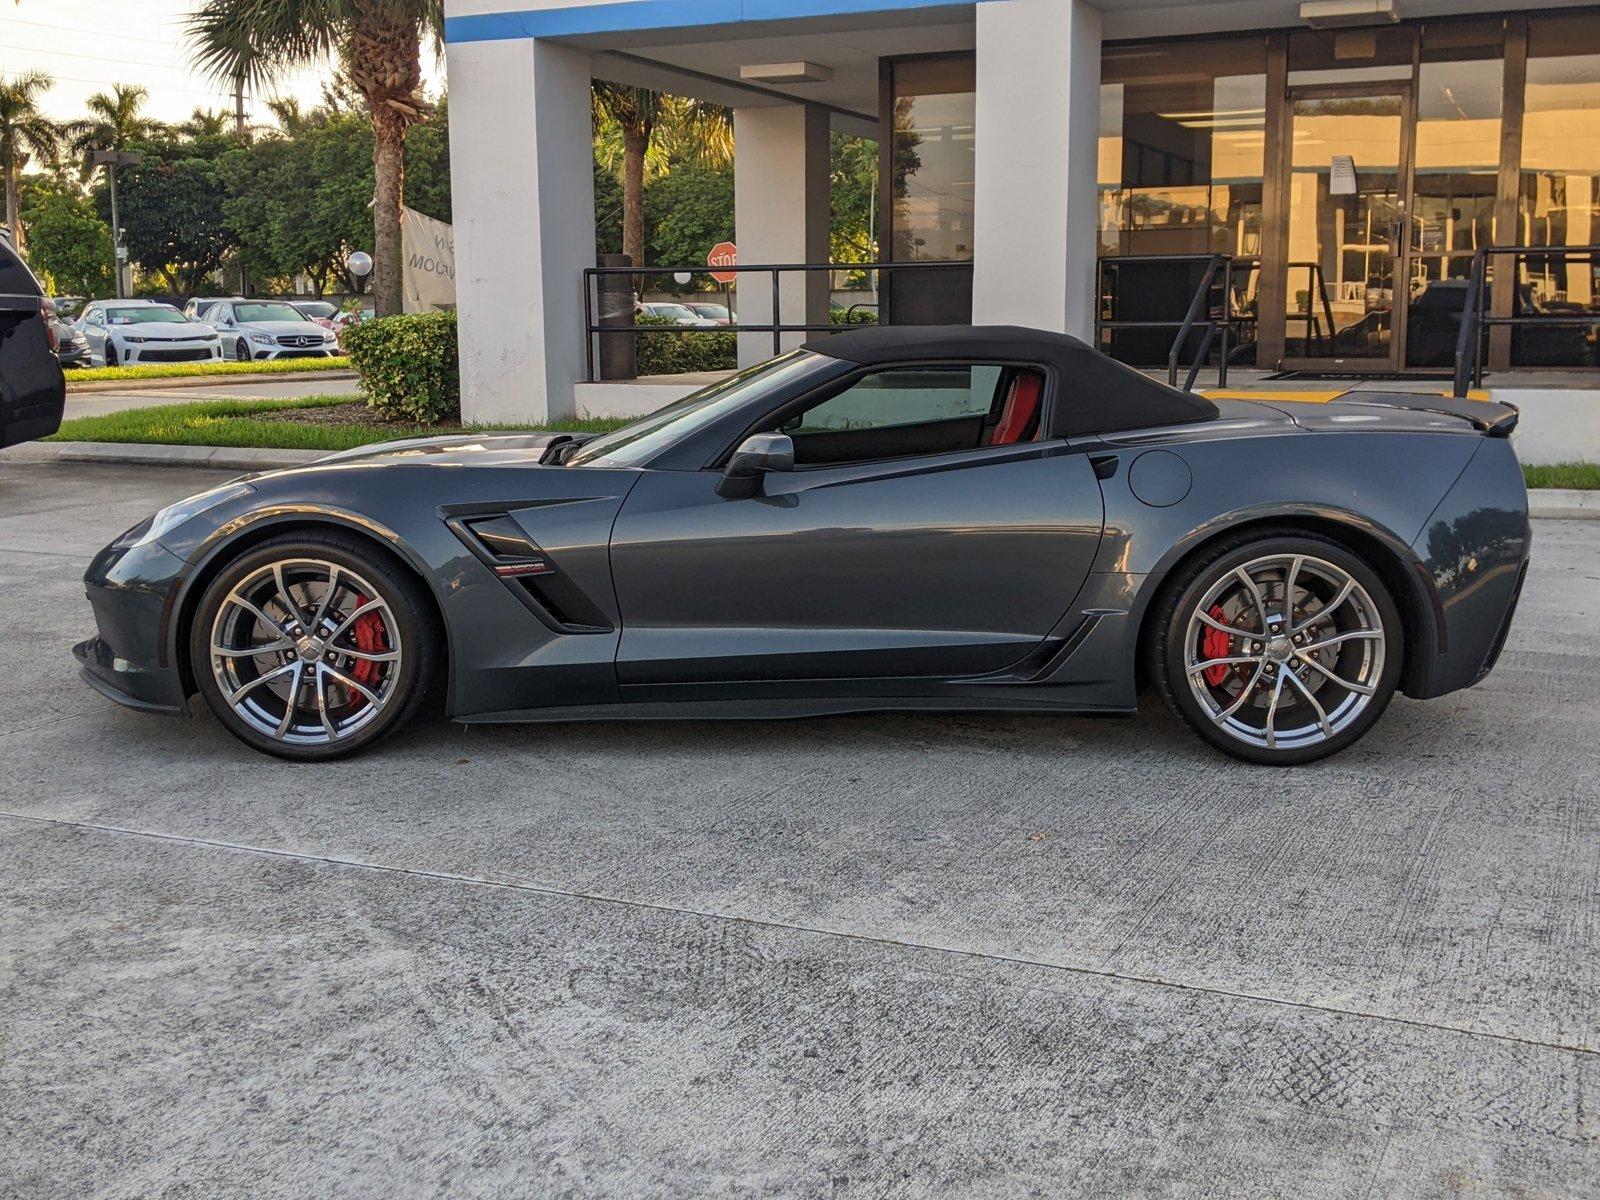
890, 955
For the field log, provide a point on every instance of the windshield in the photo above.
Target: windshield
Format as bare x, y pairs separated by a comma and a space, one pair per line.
635, 444
317, 308
152, 314
677, 312
267, 312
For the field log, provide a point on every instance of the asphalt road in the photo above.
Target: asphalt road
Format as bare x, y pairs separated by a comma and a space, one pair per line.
882, 956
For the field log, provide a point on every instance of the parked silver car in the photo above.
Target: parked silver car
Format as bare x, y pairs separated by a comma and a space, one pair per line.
268, 329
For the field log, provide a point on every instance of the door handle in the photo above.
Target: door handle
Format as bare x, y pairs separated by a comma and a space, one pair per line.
1105, 465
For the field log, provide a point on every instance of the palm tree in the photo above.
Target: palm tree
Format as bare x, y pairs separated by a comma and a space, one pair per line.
115, 120
379, 43
25, 133
654, 128
207, 123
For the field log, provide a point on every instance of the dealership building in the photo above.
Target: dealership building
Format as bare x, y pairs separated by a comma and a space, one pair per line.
1322, 175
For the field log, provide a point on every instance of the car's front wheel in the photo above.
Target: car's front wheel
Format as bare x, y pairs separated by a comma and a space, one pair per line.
111, 353
241, 351
1278, 650
314, 647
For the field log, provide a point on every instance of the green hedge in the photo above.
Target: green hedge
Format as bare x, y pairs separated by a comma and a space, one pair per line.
682, 353
408, 366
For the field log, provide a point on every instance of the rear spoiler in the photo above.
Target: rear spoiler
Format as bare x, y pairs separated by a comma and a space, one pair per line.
1491, 417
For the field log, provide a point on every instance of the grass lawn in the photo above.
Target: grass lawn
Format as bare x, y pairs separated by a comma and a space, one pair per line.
333, 424
1564, 475
277, 366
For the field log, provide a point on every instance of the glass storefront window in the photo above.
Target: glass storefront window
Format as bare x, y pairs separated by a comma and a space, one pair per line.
1455, 177
1560, 188
1182, 143
932, 159
1182, 140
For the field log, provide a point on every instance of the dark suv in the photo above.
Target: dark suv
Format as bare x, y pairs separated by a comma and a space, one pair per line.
33, 392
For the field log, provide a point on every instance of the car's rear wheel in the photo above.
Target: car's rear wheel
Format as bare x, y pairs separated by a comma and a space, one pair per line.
241, 351
1278, 650
314, 647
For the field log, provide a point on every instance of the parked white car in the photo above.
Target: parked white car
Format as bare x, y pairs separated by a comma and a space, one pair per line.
129, 332
267, 329
678, 314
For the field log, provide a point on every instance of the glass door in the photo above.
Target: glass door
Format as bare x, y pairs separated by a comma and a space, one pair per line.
1348, 191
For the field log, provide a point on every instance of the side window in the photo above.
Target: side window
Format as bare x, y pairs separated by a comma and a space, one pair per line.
907, 411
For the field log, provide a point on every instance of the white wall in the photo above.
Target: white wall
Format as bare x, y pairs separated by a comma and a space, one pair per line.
780, 213
520, 150
1038, 124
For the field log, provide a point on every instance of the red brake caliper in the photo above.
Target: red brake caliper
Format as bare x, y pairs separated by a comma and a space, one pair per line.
369, 634
1213, 644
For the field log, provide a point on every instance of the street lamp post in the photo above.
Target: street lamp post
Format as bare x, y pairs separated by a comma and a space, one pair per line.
359, 265
111, 160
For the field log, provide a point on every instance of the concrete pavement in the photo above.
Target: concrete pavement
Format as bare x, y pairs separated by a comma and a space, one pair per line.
866, 956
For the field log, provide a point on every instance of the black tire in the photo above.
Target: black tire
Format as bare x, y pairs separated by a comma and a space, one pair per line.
415, 634
111, 354
241, 351
1377, 642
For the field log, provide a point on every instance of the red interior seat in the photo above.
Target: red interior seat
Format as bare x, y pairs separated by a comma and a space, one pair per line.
1021, 412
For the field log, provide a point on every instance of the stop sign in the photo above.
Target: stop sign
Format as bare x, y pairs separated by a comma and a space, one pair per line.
723, 254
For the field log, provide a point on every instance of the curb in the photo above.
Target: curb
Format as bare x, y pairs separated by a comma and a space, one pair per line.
1568, 504
223, 380
136, 454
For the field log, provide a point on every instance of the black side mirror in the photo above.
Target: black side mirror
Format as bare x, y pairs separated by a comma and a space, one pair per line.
757, 454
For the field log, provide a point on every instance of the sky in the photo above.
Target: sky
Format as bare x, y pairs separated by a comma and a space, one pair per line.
88, 45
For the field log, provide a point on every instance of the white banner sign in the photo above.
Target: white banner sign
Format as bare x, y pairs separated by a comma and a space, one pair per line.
429, 249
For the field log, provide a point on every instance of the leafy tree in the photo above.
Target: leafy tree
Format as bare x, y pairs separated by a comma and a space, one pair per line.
428, 165
853, 192
640, 124
688, 211
25, 133
379, 43
68, 245
172, 207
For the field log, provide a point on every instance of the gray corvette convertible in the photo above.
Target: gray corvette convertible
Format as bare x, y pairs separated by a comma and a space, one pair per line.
914, 519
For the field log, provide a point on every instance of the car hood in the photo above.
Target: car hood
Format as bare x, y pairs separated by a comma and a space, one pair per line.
446, 450
164, 329
282, 328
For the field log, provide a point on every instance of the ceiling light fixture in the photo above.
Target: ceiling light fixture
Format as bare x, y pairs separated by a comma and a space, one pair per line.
786, 72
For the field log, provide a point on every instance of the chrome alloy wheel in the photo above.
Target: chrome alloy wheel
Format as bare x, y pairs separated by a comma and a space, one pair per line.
305, 651
1284, 651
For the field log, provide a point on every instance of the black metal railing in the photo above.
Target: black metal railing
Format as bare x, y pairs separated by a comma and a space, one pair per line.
1215, 316
599, 326
1475, 317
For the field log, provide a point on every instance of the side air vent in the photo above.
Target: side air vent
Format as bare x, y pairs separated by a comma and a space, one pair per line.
516, 558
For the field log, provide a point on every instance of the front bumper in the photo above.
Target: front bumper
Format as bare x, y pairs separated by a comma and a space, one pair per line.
129, 589
171, 353
274, 352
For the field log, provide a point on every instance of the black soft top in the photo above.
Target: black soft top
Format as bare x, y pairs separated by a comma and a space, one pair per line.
1096, 394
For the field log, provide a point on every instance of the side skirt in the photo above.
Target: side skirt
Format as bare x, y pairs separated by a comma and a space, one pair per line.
788, 709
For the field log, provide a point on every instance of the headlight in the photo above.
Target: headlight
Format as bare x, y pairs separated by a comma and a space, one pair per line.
265, 339
164, 522
128, 337
210, 337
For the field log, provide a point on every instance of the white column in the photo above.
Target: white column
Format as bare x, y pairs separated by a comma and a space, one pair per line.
1038, 124
520, 153
780, 203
